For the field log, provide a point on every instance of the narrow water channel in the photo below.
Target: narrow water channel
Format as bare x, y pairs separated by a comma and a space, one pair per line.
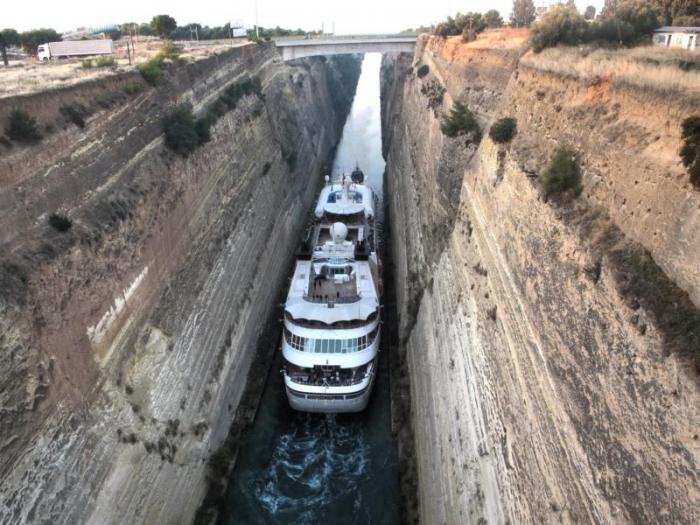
298, 468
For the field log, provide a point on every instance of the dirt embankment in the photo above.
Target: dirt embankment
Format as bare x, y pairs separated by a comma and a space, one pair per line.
533, 351
127, 339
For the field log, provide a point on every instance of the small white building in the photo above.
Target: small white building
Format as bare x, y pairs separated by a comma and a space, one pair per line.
677, 36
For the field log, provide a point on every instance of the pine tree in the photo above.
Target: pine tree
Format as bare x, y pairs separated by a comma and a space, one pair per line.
523, 13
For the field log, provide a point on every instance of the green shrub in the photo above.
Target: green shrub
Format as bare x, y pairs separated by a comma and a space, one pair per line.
563, 173
22, 127
169, 50
104, 61
236, 91
133, 87
562, 24
227, 101
503, 130
151, 69
76, 113
422, 70
184, 133
690, 151
435, 93
87, 64
180, 131
59, 222
460, 120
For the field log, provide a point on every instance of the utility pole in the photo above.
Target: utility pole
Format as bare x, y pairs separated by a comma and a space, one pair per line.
257, 34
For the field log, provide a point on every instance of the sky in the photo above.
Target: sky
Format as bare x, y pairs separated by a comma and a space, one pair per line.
345, 16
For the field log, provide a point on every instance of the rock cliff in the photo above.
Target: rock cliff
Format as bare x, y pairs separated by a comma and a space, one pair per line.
545, 386
125, 341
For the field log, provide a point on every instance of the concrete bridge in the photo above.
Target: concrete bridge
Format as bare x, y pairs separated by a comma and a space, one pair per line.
291, 49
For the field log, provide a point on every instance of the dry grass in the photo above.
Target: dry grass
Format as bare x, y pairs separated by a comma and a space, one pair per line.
658, 69
31, 76
503, 38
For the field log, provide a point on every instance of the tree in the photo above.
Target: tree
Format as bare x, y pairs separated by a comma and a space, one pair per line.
460, 120
560, 25
687, 20
640, 14
145, 29
492, 18
589, 14
163, 25
30, 40
8, 38
523, 13
22, 127
678, 12
609, 8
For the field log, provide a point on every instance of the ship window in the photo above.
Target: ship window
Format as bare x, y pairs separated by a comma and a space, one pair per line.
330, 346
308, 345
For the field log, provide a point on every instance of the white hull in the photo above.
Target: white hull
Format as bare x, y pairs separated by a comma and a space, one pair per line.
329, 402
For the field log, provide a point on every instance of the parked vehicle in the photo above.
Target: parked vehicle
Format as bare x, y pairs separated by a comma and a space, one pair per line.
73, 48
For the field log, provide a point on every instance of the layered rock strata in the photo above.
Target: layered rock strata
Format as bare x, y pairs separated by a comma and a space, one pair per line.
544, 389
126, 339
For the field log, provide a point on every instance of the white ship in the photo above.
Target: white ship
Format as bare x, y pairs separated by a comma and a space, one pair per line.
332, 313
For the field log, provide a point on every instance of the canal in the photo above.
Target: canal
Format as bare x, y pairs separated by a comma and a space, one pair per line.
298, 468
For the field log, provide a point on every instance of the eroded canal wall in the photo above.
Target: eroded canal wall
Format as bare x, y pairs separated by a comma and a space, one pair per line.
544, 386
126, 340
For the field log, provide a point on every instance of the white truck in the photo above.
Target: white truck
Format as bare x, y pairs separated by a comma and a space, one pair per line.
73, 48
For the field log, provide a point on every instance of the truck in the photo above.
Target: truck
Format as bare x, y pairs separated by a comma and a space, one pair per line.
73, 48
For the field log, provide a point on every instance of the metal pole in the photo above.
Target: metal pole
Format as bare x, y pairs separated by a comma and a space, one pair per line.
257, 34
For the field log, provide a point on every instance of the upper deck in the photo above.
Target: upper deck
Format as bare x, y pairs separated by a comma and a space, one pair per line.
344, 199
335, 279
337, 283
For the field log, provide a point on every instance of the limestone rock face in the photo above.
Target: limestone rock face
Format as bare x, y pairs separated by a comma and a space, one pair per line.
540, 393
125, 341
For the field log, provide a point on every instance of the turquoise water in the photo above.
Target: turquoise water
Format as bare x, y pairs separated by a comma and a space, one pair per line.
303, 468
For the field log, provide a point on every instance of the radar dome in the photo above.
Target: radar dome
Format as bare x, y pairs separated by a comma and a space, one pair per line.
339, 232
357, 176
